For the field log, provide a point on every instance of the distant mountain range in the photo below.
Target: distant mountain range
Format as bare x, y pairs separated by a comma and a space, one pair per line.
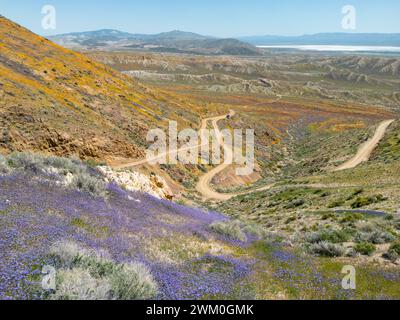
350, 39
110, 35
192, 43
174, 41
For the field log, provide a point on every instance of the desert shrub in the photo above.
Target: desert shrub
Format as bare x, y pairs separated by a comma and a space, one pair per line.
361, 202
335, 204
395, 247
351, 253
365, 248
366, 226
133, 281
27, 162
295, 203
73, 166
94, 163
381, 237
89, 184
396, 223
58, 162
98, 276
290, 219
393, 253
327, 249
365, 201
4, 168
255, 230
79, 284
325, 194
349, 232
231, 229
67, 253
333, 236
376, 237
99, 265
351, 217
355, 193
328, 215
37, 164
391, 256
389, 217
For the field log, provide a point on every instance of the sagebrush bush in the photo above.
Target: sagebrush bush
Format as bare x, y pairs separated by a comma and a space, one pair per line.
365, 248
79, 284
67, 253
366, 201
355, 193
4, 168
27, 162
97, 265
393, 253
396, 223
334, 236
100, 276
366, 226
37, 163
295, 203
352, 253
395, 247
351, 217
327, 249
376, 237
255, 230
71, 255
336, 203
391, 256
66, 165
84, 182
84, 178
133, 281
231, 229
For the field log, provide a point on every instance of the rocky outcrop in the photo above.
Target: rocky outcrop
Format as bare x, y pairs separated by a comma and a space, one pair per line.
135, 181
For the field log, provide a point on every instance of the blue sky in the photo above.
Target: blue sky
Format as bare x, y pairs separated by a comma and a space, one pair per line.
222, 18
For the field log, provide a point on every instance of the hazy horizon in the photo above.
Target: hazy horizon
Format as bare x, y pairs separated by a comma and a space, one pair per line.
223, 19
254, 35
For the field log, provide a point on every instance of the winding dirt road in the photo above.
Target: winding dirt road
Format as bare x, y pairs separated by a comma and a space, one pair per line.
203, 186
162, 155
365, 150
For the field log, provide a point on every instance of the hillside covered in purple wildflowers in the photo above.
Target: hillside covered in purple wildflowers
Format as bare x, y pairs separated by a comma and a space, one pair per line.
182, 252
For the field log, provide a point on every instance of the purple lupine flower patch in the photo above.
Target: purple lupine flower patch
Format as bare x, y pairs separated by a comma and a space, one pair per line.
206, 277
301, 275
35, 214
